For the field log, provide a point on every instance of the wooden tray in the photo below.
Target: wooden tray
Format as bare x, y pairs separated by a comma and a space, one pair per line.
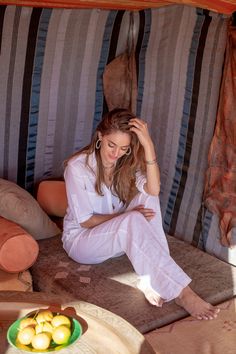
103, 331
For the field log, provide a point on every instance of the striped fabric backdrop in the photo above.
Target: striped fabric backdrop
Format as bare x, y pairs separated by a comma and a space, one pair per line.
51, 95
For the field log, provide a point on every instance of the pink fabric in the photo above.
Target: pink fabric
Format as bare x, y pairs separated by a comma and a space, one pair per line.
220, 187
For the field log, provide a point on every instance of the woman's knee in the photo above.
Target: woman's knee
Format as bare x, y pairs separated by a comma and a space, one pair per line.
149, 201
153, 202
135, 218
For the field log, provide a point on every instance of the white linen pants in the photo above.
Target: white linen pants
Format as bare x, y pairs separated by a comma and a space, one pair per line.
143, 241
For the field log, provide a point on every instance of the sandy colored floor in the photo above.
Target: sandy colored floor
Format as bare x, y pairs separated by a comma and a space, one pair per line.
15, 281
190, 336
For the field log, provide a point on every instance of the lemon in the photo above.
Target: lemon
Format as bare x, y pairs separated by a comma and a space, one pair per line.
47, 327
44, 316
25, 335
25, 322
61, 334
60, 320
41, 341
39, 328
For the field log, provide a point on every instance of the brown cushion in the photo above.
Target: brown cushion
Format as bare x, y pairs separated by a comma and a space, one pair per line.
18, 250
51, 196
111, 284
17, 205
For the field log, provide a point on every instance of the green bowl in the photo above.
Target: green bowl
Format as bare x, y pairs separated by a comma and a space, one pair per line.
76, 332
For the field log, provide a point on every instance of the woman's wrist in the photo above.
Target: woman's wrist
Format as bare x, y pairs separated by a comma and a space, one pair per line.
151, 162
150, 156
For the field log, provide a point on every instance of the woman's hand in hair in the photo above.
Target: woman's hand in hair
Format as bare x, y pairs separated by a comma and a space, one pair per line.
140, 128
152, 186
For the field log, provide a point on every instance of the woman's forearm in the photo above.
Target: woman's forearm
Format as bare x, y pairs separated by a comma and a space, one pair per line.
98, 219
152, 185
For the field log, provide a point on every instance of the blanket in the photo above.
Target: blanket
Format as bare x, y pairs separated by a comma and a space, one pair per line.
220, 186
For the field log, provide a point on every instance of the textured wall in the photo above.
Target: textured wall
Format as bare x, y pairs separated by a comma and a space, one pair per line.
51, 94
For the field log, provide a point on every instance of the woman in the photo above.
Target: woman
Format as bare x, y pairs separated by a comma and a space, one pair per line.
113, 208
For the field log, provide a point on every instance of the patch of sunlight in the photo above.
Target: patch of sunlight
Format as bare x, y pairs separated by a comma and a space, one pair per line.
129, 278
132, 279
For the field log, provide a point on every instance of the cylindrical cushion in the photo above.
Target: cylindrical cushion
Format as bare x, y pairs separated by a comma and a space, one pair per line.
18, 249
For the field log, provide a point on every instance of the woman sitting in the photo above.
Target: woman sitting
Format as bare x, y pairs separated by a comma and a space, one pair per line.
113, 208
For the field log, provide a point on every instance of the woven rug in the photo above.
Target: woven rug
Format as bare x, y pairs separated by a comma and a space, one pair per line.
191, 336
111, 285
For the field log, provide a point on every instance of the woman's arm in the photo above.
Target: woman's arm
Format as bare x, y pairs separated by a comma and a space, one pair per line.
152, 186
98, 219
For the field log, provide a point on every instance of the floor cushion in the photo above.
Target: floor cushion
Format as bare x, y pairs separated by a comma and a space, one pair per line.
19, 206
111, 284
51, 196
18, 249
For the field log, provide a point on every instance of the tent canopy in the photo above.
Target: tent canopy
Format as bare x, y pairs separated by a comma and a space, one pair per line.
222, 6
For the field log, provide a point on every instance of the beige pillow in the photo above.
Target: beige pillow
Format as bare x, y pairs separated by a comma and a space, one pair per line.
18, 249
18, 205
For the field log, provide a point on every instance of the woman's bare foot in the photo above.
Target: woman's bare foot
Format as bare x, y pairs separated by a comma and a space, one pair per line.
196, 306
151, 295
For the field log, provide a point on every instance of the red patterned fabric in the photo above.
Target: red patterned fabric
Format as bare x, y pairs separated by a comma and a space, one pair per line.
220, 189
222, 6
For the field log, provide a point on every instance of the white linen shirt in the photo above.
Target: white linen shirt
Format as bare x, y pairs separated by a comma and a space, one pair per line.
83, 200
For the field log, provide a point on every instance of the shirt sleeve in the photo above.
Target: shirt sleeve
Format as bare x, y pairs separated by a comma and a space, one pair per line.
140, 182
78, 201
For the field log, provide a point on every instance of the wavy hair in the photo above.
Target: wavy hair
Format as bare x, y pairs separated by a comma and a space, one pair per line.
123, 184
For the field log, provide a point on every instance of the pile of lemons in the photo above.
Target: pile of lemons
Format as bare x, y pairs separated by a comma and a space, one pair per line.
39, 331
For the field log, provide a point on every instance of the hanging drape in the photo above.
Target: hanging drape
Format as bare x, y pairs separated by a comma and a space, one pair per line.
222, 6
220, 189
120, 76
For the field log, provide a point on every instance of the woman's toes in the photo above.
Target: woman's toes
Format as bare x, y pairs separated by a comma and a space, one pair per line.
214, 312
195, 305
207, 315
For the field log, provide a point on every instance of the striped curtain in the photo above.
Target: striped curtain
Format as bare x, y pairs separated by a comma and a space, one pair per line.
179, 96
51, 94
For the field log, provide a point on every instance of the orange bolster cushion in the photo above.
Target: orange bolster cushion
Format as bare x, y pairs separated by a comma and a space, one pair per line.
51, 196
18, 249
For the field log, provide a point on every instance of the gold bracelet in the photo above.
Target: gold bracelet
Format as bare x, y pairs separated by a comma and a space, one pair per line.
151, 162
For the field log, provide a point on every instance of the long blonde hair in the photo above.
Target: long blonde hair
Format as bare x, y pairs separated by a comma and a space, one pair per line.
124, 174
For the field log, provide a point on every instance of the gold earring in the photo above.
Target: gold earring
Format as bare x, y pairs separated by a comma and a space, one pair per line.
98, 144
128, 152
